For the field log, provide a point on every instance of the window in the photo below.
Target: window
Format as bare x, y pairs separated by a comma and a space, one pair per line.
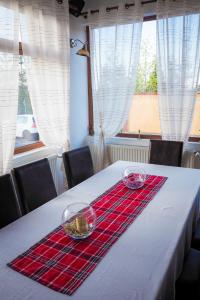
144, 113
27, 136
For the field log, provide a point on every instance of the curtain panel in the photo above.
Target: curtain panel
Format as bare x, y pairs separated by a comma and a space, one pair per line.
9, 68
45, 39
115, 46
178, 65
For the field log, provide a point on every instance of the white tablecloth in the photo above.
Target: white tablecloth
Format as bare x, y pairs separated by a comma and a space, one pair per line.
143, 264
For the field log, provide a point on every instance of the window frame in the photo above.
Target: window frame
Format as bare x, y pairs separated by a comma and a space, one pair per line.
90, 100
32, 146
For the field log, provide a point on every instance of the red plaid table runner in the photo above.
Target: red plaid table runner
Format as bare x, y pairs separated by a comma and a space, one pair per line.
61, 263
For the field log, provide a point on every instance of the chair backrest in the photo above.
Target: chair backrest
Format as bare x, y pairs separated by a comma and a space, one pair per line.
35, 184
78, 165
167, 153
9, 206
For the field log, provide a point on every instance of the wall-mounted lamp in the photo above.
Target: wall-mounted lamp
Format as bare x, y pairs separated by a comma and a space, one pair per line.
83, 51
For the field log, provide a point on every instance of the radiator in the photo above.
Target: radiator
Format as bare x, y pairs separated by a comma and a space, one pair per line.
138, 153
130, 153
141, 154
58, 173
53, 165
191, 159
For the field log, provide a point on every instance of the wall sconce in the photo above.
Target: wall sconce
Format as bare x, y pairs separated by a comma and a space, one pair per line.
83, 51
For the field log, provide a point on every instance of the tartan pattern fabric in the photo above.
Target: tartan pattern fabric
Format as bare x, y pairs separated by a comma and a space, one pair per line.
61, 263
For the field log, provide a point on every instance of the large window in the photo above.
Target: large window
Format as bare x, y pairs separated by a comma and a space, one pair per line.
144, 113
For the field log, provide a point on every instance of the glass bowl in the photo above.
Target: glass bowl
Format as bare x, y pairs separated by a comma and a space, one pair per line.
79, 220
134, 177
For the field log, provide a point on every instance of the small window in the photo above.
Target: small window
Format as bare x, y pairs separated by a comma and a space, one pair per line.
26, 132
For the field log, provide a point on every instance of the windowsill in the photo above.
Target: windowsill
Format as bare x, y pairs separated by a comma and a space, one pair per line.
147, 136
142, 142
124, 141
152, 136
29, 147
33, 155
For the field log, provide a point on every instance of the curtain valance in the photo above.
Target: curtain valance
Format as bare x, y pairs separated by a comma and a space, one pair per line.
117, 14
172, 8
126, 11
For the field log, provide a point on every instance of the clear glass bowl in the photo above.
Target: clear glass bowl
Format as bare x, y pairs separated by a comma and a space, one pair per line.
134, 177
79, 220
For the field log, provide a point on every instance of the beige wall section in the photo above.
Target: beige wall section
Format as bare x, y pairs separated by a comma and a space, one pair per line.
144, 115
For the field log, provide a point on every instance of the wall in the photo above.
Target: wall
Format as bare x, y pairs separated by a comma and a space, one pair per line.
79, 97
144, 108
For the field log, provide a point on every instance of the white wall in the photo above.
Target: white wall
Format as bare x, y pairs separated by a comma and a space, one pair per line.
78, 85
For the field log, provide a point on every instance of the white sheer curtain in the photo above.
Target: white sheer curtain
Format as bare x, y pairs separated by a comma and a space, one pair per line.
178, 63
45, 38
9, 69
114, 58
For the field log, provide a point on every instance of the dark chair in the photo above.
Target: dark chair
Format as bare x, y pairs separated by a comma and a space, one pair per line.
78, 165
9, 206
167, 153
188, 284
35, 184
196, 237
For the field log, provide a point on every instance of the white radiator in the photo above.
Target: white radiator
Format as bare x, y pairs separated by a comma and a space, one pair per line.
141, 154
53, 165
137, 153
191, 159
130, 153
58, 173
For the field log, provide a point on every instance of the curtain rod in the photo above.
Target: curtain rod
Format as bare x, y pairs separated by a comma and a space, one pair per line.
108, 9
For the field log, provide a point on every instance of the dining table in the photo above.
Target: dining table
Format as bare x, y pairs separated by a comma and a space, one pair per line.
145, 261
